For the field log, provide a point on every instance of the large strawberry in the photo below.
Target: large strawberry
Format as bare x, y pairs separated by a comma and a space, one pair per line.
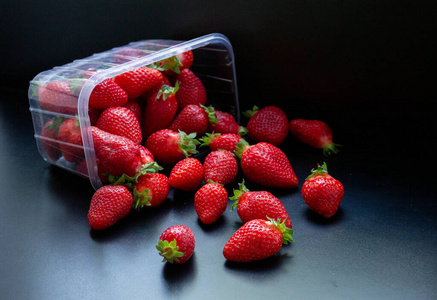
226, 124
49, 136
176, 244
256, 240
266, 164
270, 124
120, 121
220, 167
58, 96
217, 141
258, 205
109, 204
107, 94
187, 174
191, 89
314, 133
322, 193
70, 140
169, 147
194, 118
138, 81
210, 202
151, 190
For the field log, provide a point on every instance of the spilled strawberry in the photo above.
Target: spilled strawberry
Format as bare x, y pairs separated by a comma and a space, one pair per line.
176, 244
193, 118
217, 141
187, 175
210, 202
226, 124
220, 167
150, 189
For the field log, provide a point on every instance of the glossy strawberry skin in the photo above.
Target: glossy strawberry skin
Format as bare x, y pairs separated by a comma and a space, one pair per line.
138, 81
210, 202
58, 96
109, 204
185, 241
192, 118
225, 124
220, 167
70, 140
187, 175
191, 89
226, 141
136, 109
270, 124
107, 94
157, 185
146, 155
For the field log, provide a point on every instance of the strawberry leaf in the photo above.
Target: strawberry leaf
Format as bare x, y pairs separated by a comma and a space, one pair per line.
207, 139
285, 231
169, 251
242, 189
241, 146
188, 143
249, 113
321, 170
331, 149
141, 199
167, 90
211, 113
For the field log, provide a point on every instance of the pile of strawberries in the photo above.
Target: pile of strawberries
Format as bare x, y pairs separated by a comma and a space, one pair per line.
156, 116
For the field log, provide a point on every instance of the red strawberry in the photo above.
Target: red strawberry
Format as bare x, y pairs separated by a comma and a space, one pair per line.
210, 202
220, 167
225, 124
191, 89
256, 240
49, 135
70, 140
259, 205
270, 124
58, 96
94, 115
314, 133
187, 175
160, 110
138, 81
176, 244
109, 204
151, 190
136, 109
217, 141
120, 121
174, 65
146, 155
156, 88
169, 147
322, 193
107, 94
265, 164
193, 118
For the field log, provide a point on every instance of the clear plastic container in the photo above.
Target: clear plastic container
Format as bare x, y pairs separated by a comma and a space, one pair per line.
213, 63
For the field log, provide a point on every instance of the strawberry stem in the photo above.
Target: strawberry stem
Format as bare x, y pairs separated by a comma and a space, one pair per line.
188, 143
141, 199
331, 149
169, 251
285, 231
129, 181
321, 170
210, 112
242, 131
241, 146
249, 113
207, 139
167, 90
238, 193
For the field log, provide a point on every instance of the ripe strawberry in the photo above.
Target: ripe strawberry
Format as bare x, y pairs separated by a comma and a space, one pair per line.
220, 167
193, 118
107, 94
70, 140
146, 155
322, 193
210, 202
259, 205
225, 124
120, 121
191, 89
109, 204
169, 147
187, 175
270, 124
160, 110
173, 65
256, 240
265, 164
49, 136
314, 133
138, 81
136, 109
157, 88
151, 190
176, 244
217, 141
58, 96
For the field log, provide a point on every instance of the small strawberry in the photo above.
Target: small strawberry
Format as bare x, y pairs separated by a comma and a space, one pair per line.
210, 202
270, 124
187, 175
107, 94
217, 141
138, 81
109, 204
314, 133
160, 110
220, 167
191, 89
49, 136
266, 164
136, 109
226, 124
58, 96
193, 118
70, 140
322, 193
169, 147
258, 205
120, 121
151, 190
176, 244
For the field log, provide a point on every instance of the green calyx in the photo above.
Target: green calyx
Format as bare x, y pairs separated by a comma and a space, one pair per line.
249, 113
210, 112
286, 232
172, 63
129, 181
242, 189
242, 131
207, 139
321, 170
188, 143
56, 122
331, 149
141, 199
241, 146
167, 90
169, 251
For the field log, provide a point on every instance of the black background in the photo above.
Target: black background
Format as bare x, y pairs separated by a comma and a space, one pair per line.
364, 67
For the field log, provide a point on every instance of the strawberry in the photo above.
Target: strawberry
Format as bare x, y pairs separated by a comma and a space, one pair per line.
258, 205
193, 118
174, 65
160, 110
136, 109
217, 141
70, 140
107, 94
187, 175
322, 193
210, 202
58, 96
191, 89
49, 136
146, 155
156, 88
314, 133
109, 204
169, 147
151, 190
256, 240
270, 124
265, 164
225, 124
138, 81
220, 167
176, 244
120, 121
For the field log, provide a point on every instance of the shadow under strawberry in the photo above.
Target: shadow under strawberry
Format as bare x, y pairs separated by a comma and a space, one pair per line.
214, 227
319, 220
272, 263
179, 276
